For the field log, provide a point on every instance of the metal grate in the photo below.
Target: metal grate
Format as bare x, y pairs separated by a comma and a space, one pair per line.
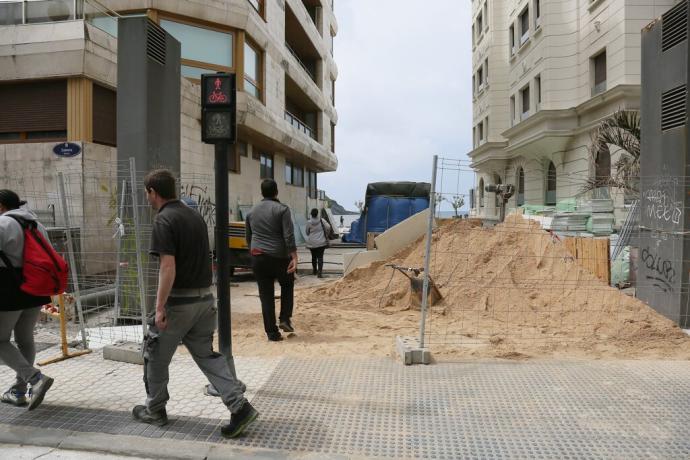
155, 42
674, 26
673, 108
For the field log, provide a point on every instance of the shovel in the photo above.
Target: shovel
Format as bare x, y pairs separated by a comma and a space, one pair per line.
417, 285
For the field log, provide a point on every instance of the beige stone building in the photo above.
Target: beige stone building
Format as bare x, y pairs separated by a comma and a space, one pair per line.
545, 72
58, 74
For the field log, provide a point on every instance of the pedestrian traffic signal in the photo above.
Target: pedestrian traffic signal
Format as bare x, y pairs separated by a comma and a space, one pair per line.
218, 106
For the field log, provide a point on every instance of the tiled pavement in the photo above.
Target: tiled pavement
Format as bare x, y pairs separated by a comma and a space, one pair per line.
379, 408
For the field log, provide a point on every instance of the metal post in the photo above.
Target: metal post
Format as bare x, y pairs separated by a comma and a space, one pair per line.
119, 249
72, 262
223, 270
137, 239
427, 251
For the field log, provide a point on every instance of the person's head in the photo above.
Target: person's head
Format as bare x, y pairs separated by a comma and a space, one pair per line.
160, 187
269, 188
9, 200
314, 213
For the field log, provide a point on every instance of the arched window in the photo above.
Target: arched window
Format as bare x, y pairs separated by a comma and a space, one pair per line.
497, 202
602, 165
481, 193
521, 187
551, 185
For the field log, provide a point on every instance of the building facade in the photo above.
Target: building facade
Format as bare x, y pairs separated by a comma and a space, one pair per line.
58, 71
545, 74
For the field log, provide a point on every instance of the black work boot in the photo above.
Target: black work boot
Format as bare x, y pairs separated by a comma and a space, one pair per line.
239, 421
286, 326
142, 414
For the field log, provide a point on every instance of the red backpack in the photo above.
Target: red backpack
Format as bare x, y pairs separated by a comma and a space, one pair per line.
44, 272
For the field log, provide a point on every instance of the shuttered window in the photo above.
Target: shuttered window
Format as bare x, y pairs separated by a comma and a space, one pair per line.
34, 111
104, 115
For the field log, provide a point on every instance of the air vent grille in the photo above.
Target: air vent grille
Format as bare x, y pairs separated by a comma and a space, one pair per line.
674, 26
673, 108
155, 42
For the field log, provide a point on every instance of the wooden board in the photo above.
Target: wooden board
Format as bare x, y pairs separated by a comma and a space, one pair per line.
592, 254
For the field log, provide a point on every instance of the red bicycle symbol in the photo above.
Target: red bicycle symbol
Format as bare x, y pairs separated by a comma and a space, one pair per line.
217, 97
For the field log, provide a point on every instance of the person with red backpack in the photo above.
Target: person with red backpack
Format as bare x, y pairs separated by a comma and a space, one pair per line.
19, 310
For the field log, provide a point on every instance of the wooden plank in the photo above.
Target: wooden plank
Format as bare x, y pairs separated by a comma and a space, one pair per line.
592, 254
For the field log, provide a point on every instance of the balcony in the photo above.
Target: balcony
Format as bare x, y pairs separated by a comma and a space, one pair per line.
315, 13
299, 125
301, 47
44, 11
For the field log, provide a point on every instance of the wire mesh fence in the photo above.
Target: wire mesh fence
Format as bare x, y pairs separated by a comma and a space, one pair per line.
539, 278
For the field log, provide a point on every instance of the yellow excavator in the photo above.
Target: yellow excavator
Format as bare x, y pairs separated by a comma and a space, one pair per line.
239, 251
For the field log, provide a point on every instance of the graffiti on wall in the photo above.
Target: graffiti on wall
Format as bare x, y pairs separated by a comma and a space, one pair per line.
198, 197
661, 271
660, 202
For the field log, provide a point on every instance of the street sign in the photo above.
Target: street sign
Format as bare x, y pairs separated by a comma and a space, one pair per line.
218, 105
67, 149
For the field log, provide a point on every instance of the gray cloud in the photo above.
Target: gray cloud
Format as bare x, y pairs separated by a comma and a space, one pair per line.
403, 91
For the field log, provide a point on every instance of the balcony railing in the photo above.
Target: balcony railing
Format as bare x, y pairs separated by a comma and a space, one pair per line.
311, 72
300, 125
42, 11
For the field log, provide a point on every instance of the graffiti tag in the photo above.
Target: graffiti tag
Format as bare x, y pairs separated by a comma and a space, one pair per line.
660, 203
663, 274
201, 202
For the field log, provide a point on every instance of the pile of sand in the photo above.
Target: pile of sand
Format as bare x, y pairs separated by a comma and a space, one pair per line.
512, 291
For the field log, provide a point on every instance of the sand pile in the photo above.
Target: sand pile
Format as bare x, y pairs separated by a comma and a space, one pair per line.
512, 291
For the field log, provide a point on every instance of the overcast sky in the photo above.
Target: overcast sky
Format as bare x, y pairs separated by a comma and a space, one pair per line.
403, 92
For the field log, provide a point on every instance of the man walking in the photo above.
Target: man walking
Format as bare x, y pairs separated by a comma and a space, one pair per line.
185, 308
271, 241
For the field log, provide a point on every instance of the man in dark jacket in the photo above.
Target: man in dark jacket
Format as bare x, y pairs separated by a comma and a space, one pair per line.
271, 239
19, 311
185, 308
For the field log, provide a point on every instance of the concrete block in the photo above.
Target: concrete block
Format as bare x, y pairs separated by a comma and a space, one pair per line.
410, 352
126, 352
402, 235
359, 259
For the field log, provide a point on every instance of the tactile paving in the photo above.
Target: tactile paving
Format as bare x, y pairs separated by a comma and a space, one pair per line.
378, 408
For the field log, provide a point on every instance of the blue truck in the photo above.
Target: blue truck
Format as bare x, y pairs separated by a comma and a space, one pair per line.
387, 204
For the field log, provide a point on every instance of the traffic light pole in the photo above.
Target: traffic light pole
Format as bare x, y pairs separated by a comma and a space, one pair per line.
223, 267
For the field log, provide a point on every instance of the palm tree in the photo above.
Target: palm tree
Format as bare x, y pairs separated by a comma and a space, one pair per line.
622, 130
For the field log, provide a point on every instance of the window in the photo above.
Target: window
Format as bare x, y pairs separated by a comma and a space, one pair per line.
104, 106
486, 71
486, 15
242, 148
33, 111
481, 193
203, 50
598, 66
480, 25
537, 13
480, 132
252, 70
512, 110
511, 35
234, 158
333, 92
524, 25
602, 166
332, 137
521, 187
480, 78
266, 168
486, 128
537, 90
297, 176
551, 185
524, 98
288, 172
312, 191
473, 35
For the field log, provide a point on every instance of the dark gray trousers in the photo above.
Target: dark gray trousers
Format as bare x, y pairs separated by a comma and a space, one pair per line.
19, 358
193, 323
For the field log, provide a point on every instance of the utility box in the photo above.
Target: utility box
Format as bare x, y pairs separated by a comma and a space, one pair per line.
664, 248
148, 95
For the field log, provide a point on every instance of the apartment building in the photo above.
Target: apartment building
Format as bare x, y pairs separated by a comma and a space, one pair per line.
58, 70
545, 73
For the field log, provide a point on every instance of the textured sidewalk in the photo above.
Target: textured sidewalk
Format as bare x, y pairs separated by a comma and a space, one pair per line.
354, 408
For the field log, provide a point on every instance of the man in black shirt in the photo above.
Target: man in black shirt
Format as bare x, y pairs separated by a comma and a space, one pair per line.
185, 308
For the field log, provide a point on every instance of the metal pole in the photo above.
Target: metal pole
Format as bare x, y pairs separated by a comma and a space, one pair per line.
223, 270
427, 252
70, 253
118, 270
137, 239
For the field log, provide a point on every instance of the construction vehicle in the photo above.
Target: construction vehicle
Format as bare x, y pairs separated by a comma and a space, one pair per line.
239, 251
